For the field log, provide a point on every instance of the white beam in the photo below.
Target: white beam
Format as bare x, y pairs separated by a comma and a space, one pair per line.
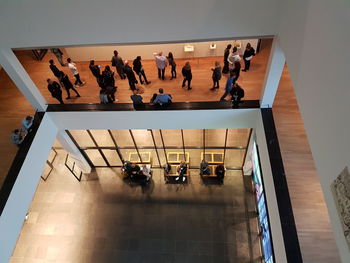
23, 190
273, 75
72, 149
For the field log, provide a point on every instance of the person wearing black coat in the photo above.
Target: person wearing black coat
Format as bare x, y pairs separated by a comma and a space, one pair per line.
237, 93
55, 90
226, 63
137, 66
237, 69
95, 69
54, 69
130, 75
216, 75
108, 77
187, 74
247, 56
67, 84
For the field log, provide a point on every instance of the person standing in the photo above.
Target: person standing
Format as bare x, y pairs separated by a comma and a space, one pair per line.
54, 69
130, 75
58, 53
95, 69
187, 74
247, 56
226, 54
216, 75
172, 64
229, 84
161, 62
73, 68
118, 63
67, 84
232, 58
137, 66
107, 78
237, 69
55, 90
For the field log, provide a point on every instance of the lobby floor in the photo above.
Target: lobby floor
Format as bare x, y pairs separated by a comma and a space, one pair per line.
103, 219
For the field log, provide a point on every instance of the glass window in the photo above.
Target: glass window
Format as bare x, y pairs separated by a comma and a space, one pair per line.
82, 138
112, 157
123, 138
95, 157
143, 138
172, 138
234, 158
215, 138
238, 137
193, 138
103, 138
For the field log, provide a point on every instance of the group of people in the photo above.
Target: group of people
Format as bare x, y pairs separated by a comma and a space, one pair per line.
204, 169
134, 172
18, 135
54, 87
106, 78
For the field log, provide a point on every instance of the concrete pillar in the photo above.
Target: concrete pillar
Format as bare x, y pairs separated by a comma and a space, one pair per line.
20, 77
273, 75
73, 151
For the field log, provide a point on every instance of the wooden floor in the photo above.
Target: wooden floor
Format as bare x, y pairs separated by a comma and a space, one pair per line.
251, 81
310, 212
312, 221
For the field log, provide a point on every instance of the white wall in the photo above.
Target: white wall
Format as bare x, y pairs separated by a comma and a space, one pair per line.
129, 52
39, 23
316, 43
22, 193
241, 118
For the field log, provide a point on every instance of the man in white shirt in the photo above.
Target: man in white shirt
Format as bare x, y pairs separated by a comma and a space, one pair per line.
73, 68
161, 62
232, 58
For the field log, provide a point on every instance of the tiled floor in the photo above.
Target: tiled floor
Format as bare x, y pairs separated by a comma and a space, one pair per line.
103, 219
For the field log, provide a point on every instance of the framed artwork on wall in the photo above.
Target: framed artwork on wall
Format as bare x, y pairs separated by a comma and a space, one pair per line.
341, 193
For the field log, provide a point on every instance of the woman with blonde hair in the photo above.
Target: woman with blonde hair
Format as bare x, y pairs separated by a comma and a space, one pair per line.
187, 73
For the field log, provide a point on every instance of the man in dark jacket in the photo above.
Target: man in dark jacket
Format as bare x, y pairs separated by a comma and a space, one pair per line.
117, 62
237, 94
67, 84
225, 69
139, 69
54, 69
55, 90
130, 75
95, 69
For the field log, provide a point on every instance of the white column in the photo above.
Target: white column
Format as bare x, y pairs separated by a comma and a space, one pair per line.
273, 75
20, 77
73, 151
23, 190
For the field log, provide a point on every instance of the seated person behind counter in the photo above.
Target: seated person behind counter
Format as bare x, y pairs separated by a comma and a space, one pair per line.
27, 123
205, 168
162, 99
17, 136
182, 169
220, 171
